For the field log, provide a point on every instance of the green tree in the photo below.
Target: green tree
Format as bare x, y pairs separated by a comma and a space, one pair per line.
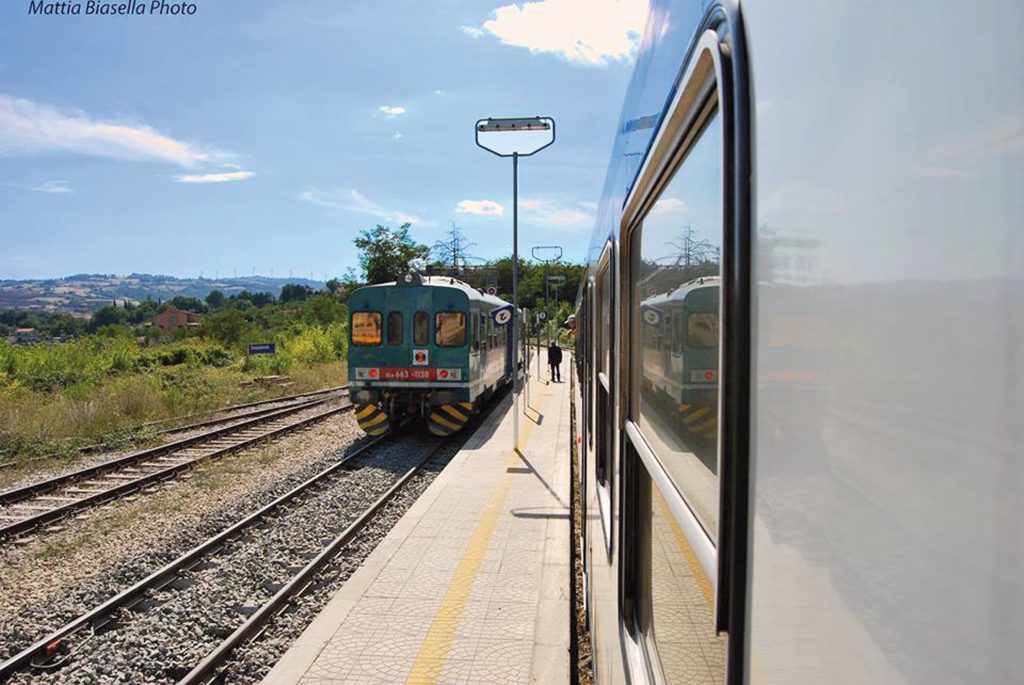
215, 299
386, 253
105, 316
295, 292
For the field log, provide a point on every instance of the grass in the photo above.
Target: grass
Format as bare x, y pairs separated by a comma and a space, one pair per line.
113, 411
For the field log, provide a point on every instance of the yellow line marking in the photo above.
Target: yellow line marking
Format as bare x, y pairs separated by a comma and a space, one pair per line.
438, 642
440, 420
696, 414
696, 570
468, 406
454, 413
366, 411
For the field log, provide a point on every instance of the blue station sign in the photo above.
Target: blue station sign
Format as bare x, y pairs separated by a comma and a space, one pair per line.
262, 348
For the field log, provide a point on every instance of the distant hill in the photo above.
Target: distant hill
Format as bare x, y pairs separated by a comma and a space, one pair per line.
84, 293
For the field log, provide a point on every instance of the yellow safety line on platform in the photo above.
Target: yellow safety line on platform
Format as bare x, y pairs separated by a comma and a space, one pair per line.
438, 642
684, 546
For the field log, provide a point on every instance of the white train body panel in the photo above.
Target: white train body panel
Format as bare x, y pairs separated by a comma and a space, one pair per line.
884, 506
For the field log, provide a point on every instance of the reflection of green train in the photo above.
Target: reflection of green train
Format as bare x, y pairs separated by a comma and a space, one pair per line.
424, 346
679, 345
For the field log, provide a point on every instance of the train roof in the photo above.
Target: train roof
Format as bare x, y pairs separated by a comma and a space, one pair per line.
685, 289
414, 279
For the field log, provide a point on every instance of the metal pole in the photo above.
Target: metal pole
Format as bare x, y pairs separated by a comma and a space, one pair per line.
546, 305
515, 300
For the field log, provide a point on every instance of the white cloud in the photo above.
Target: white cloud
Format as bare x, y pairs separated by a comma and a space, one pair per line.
354, 201
481, 207
53, 187
391, 112
27, 127
589, 32
668, 205
440, 92
216, 178
573, 218
398, 136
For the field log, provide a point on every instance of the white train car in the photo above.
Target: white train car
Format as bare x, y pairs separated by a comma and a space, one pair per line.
853, 172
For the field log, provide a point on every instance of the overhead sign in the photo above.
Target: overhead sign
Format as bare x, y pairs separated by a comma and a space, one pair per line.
420, 357
492, 290
262, 348
501, 315
558, 280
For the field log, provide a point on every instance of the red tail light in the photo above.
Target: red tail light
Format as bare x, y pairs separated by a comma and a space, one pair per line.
373, 373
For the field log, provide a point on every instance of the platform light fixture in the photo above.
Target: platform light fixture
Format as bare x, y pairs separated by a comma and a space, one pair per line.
528, 145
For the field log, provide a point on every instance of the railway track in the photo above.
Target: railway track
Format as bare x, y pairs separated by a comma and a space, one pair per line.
256, 557
32, 506
229, 415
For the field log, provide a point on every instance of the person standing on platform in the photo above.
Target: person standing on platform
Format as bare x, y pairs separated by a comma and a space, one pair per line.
554, 361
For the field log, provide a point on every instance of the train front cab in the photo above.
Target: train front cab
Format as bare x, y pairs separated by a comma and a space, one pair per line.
665, 540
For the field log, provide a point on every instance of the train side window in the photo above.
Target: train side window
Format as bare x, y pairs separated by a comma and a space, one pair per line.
395, 325
606, 423
676, 277
687, 229
366, 328
420, 328
450, 329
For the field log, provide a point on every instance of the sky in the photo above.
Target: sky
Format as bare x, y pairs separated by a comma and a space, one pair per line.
262, 136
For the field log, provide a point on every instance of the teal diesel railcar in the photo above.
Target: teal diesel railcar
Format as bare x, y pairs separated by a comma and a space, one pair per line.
424, 346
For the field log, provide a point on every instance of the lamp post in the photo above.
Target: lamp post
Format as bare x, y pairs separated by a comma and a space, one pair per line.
531, 145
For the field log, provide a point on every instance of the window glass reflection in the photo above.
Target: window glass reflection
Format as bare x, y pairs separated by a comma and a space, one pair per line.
677, 253
681, 624
394, 328
366, 328
450, 329
421, 328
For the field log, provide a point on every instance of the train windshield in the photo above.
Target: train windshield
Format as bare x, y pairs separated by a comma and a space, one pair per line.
450, 329
421, 328
395, 322
702, 330
366, 328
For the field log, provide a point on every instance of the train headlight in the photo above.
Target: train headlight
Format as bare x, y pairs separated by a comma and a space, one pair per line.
449, 374
703, 376
366, 374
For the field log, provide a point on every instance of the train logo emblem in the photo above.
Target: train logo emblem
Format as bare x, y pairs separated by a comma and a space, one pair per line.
420, 358
502, 315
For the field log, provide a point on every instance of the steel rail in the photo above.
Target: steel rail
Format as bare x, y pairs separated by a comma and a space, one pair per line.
117, 491
247, 405
101, 614
89, 449
32, 489
204, 671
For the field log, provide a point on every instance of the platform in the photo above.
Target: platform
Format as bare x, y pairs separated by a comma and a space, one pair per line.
472, 584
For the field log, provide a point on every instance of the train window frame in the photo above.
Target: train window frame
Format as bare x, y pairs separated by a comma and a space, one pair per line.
380, 328
715, 82
418, 318
438, 327
395, 341
605, 387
